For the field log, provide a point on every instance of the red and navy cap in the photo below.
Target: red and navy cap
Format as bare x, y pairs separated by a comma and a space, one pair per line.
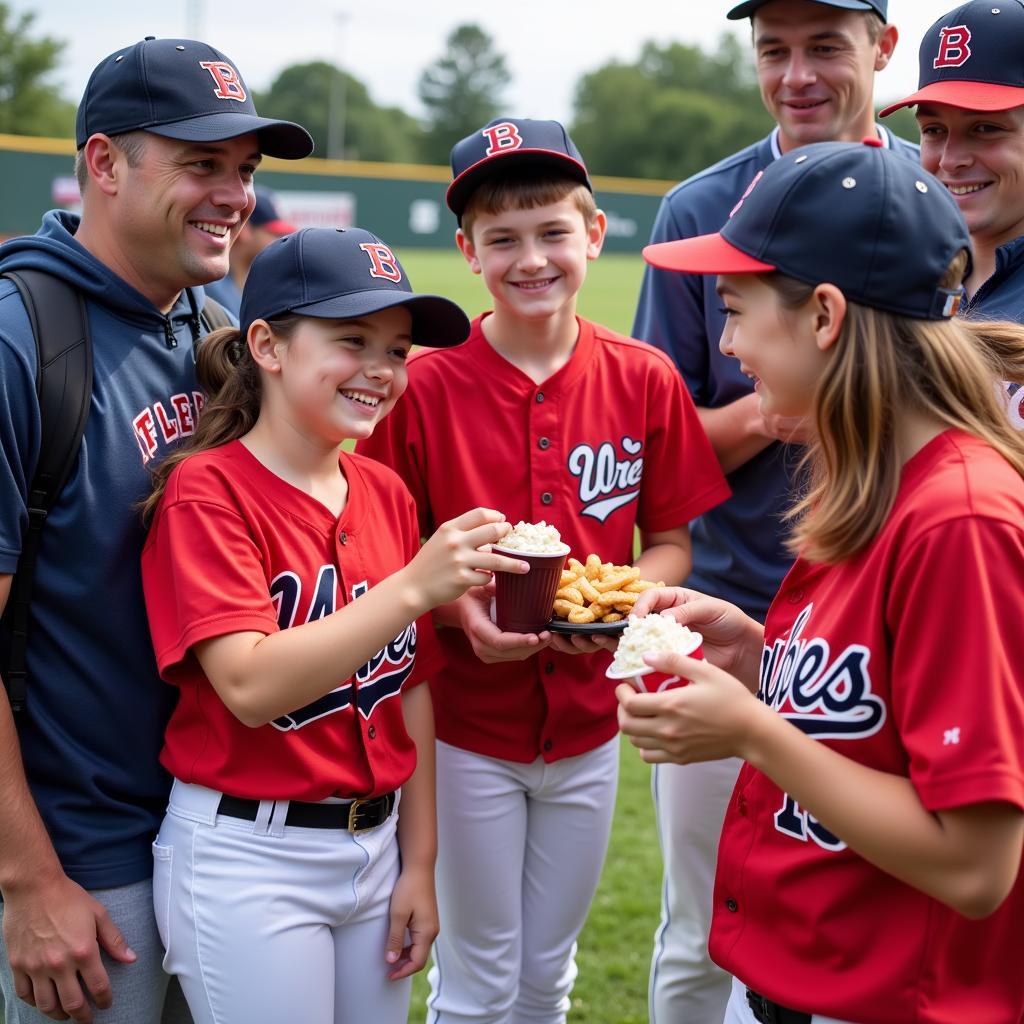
265, 215
750, 7
507, 144
855, 215
973, 58
341, 274
181, 89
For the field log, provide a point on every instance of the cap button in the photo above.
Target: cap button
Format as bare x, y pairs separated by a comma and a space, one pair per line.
149, 39
872, 140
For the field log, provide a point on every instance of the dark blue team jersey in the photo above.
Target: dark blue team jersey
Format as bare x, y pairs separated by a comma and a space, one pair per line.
96, 705
738, 547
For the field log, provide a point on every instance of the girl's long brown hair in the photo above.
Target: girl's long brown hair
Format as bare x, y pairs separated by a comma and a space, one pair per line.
885, 364
229, 377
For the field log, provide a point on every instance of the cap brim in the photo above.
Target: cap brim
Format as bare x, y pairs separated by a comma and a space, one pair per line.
964, 96
750, 7
436, 322
466, 183
282, 139
705, 254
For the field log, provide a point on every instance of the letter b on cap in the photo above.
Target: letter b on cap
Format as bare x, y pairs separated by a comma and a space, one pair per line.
502, 136
382, 261
228, 85
954, 50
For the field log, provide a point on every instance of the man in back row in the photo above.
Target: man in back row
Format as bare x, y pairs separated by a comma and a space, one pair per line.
264, 226
816, 61
168, 141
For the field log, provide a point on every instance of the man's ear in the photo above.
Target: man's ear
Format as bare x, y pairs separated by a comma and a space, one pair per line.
104, 162
885, 46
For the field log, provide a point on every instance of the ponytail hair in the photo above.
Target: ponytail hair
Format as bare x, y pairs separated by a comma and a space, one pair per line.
229, 377
885, 364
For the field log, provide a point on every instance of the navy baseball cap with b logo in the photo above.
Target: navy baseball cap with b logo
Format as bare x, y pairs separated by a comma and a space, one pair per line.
505, 144
342, 274
181, 89
750, 7
973, 58
852, 214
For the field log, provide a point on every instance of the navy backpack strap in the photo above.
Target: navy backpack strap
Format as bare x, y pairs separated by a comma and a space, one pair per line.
56, 311
214, 315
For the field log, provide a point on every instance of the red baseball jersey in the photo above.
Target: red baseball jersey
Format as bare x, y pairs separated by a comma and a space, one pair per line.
907, 659
609, 441
234, 548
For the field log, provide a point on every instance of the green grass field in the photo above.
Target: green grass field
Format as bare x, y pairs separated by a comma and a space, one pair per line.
615, 946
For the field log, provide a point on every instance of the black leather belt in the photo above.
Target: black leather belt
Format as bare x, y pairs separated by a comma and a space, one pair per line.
767, 1012
356, 816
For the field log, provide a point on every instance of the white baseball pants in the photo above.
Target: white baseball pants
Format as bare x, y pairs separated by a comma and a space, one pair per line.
686, 986
521, 848
265, 923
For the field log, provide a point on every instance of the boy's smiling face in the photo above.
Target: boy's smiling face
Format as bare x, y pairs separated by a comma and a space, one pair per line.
533, 261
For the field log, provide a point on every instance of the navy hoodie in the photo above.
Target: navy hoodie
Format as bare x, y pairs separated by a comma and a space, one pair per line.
93, 729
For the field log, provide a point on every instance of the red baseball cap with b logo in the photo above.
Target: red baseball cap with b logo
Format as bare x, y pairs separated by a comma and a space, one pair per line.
181, 89
504, 145
973, 58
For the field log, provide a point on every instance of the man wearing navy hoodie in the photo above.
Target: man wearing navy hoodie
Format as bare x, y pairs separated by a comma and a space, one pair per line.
168, 141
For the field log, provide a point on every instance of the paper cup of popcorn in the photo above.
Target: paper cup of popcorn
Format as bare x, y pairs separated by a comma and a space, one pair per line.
522, 602
652, 633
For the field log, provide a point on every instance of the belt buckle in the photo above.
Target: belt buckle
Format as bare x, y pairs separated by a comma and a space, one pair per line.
353, 816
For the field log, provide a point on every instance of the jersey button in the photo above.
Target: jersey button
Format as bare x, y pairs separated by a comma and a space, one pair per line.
544, 444
549, 667
540, 396
731, 905
372, 732
547, 746
546, 498
796, 596
343, 537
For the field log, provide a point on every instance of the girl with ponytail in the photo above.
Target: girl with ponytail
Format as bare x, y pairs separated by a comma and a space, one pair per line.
287, 595
869, 865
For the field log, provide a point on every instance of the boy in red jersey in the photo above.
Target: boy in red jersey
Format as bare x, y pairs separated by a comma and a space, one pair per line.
550, 418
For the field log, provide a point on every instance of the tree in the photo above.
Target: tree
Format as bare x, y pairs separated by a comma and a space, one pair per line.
461, 90
302, 93
672, 113
29, 105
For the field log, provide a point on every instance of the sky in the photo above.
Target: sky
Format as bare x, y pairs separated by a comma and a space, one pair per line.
386, 45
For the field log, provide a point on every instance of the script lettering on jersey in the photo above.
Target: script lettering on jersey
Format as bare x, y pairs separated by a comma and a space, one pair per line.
380, 678
163, 423
826, 697
607, 482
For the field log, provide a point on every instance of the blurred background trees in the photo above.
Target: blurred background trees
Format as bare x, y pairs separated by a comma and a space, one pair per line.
30, 103
461, 91
671, 112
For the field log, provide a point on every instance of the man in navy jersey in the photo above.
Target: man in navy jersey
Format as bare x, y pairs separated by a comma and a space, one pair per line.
168, 140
